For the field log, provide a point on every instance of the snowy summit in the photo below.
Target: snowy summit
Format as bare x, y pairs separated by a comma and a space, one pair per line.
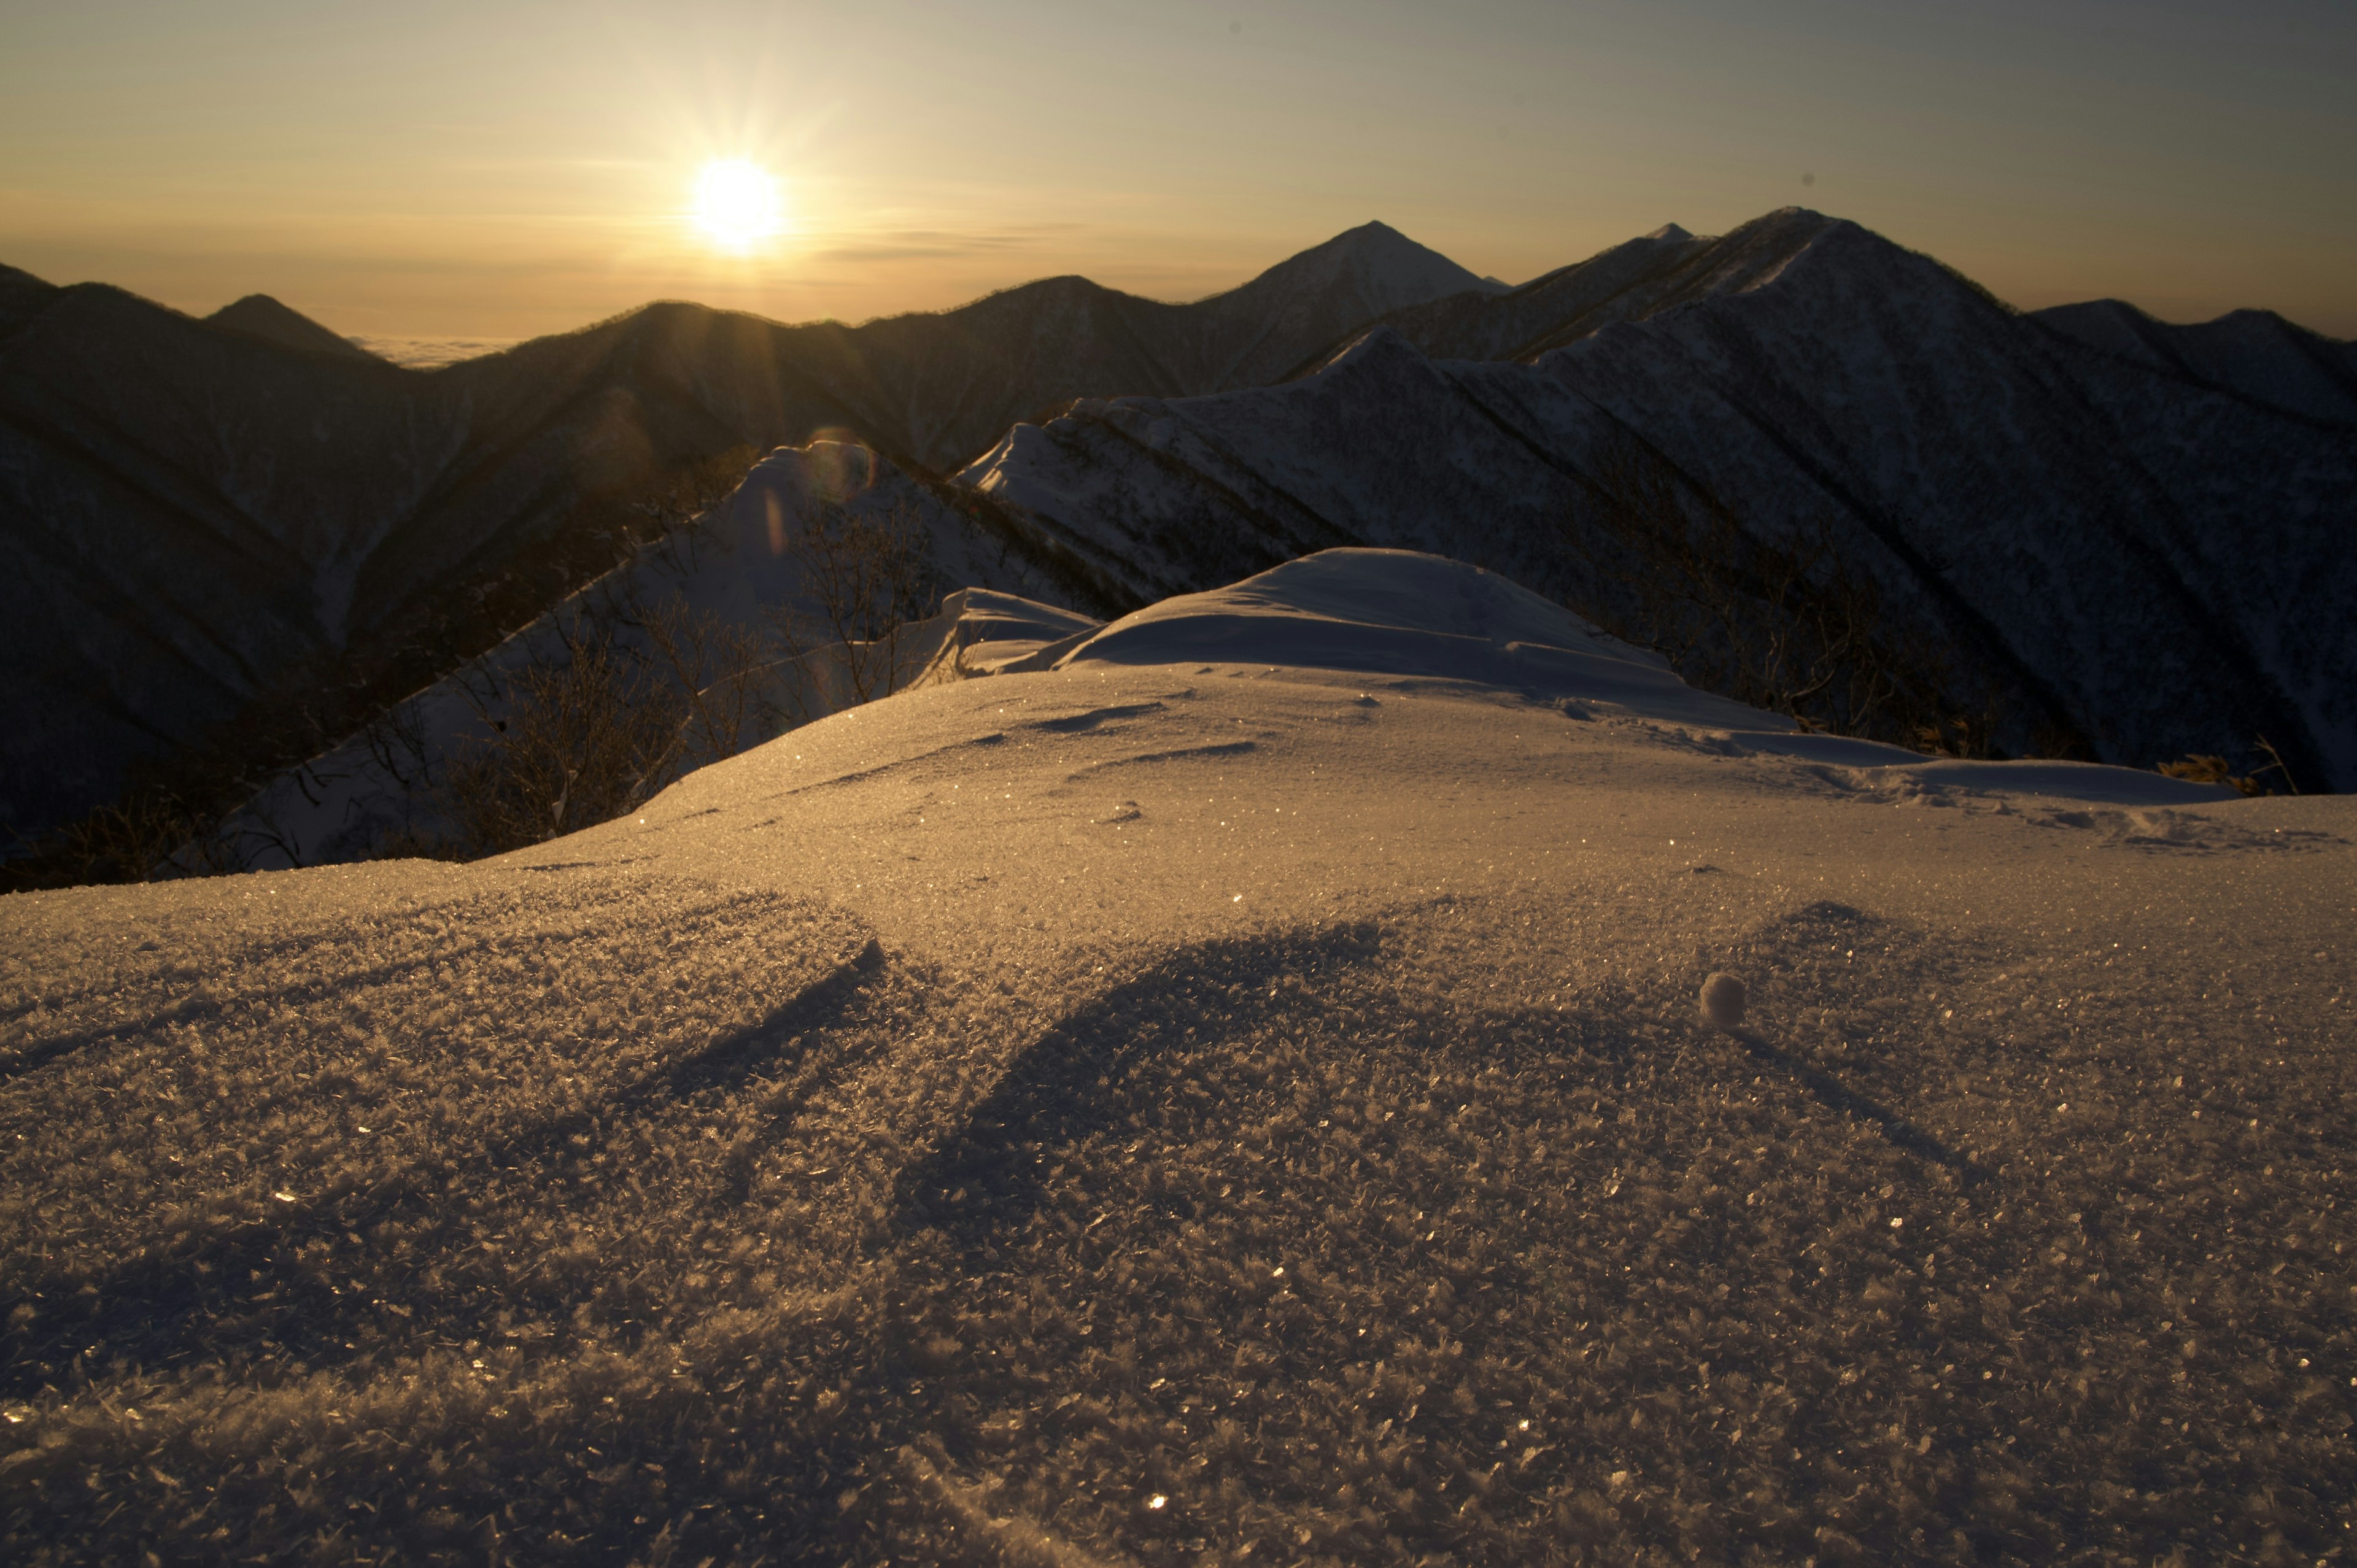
1230, 1086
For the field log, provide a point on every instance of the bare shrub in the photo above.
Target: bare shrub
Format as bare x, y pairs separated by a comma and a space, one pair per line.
715, 667
674, 517
867, 576
1789, 624
124, 841
2204, 767
593, 727
585, 736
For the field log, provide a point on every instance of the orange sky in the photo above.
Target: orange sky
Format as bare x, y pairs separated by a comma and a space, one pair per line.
504, 170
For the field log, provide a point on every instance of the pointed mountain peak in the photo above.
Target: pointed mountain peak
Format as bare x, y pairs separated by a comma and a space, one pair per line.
259, 316
1669, 231
1374, 232
1375, 266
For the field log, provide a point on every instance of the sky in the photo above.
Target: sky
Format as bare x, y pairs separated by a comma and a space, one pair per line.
500, 170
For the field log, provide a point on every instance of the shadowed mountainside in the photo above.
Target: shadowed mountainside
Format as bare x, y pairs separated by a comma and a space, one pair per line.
2138, 537
2133, 536
248, 524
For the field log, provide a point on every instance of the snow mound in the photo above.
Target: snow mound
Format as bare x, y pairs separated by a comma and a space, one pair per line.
1407, 616
1021, 1093
1403, 613
989, 630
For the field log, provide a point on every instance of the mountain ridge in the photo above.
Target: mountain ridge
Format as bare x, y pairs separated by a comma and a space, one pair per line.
216, 528
1810, 370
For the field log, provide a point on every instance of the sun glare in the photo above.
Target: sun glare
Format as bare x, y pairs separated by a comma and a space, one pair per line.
737, 203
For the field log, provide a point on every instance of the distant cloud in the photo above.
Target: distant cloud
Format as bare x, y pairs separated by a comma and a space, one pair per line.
433, 353
935, 245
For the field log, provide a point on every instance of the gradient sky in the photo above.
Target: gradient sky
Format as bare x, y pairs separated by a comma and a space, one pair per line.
495, 169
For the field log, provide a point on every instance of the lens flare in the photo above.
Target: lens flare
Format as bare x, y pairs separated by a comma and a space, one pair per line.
737, 203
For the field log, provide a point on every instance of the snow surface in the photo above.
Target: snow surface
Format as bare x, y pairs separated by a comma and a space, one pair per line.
1380, 612
1405, 613
1254, 1064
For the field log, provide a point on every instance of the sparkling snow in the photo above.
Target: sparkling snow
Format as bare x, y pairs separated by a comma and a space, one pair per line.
1242, 1084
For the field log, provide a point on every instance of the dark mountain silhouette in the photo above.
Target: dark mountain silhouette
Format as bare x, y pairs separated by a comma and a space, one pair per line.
259, 316
1626, 283
2139, 532
232, 528
2252, 354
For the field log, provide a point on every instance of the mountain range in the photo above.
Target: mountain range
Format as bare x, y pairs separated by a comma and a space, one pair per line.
2140, 534
2138, 537
243, 527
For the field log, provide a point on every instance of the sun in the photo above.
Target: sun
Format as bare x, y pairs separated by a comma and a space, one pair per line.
737, 203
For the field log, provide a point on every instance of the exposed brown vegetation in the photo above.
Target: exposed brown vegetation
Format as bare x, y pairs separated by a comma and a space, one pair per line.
2206, 768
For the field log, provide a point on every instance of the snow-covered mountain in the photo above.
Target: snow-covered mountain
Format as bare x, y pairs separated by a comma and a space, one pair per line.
2137, 534
2147, 552
2253, 354
724, 579
247, 528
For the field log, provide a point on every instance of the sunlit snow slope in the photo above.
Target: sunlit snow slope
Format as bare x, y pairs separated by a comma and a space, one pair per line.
1235, 1094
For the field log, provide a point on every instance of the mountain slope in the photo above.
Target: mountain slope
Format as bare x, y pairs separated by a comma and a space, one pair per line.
2135, 535
2141, 562
228, 526
2255, 354
215, 531
1630, 282
1322, 295
259, 316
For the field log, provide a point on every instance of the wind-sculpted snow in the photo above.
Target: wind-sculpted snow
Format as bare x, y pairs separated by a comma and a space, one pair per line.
1398, 613
520, 1017
1224, 1108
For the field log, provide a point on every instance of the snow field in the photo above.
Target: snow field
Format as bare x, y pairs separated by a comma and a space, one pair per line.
2010, 1227
334, 1059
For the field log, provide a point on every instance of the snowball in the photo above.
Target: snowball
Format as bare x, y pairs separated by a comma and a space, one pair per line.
1722, 1001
